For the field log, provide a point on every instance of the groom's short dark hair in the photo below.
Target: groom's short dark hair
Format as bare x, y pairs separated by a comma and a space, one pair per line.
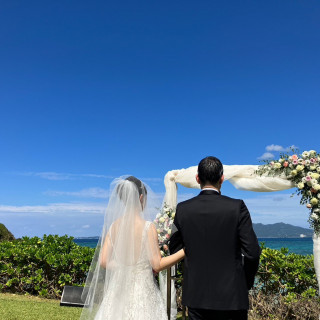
210, 170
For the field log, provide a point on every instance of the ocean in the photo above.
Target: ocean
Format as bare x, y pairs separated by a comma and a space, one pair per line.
302, 246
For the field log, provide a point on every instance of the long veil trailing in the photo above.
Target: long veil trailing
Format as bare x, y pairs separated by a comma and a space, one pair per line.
123, 258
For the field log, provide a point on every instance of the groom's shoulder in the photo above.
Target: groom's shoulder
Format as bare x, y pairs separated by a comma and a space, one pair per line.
234, 201
226, 198
187, 202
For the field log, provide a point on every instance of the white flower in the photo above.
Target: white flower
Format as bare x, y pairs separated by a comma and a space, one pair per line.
300, 185
313, 167
316, 210
161, 220
309, 183
312, 153
304, 180
162, 253
158, 215
314, 201
291, 165
165, 216
314, 182
318, 195
169, 231
318, 169
281, 160
277, 165
314, 216
307, 162
299, 168
158, 230
294, 172
305, 154
315, 175
173, 214
300, 161
316, 186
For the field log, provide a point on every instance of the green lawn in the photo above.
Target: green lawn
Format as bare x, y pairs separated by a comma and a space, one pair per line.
18, 307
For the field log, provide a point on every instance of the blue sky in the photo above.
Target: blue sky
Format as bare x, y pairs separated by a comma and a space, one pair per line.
93, 90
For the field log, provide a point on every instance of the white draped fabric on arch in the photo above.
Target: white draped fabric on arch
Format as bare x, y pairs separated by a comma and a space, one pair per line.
242, 177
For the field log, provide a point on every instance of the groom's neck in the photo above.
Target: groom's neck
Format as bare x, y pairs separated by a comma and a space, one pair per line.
208, 186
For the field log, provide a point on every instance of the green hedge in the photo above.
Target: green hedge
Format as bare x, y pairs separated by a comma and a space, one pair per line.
42, 266
281, 272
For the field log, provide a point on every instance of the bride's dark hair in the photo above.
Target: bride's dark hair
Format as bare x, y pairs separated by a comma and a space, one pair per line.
141, 187
142, 190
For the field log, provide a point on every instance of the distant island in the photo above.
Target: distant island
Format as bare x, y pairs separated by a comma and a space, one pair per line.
281, 230
5, 234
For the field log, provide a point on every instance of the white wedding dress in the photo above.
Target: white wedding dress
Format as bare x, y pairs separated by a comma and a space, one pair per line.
120, 283
144, 301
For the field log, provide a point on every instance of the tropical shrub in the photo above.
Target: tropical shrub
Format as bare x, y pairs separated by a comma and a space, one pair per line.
43, 266
284, 273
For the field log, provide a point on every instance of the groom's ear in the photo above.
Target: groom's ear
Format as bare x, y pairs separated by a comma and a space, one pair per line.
197, 178
221, 179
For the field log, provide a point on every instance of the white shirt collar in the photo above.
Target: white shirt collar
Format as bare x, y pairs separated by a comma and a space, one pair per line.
210, 189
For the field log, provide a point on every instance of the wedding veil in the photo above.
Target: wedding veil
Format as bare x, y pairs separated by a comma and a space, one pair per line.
131, 204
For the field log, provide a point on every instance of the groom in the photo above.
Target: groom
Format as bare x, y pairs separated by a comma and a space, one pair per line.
215, 231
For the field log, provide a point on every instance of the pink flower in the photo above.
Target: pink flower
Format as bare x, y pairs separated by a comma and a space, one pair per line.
295, 161
168, 236
285, 164
165, 247
308, 178
294, 157
312, 160
309, 205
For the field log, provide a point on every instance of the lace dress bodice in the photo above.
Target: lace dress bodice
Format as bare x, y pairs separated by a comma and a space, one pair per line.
132, 292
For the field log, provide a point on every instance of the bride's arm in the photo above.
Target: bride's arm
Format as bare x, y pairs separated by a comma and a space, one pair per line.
105, 252
158, 263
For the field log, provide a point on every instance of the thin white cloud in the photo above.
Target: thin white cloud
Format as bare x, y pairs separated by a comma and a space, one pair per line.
50, 175
266, 156
54, 208
275, 148
86, 226
71, 208
85, 193
278, 148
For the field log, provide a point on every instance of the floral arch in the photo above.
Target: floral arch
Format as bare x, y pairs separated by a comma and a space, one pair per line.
301, 172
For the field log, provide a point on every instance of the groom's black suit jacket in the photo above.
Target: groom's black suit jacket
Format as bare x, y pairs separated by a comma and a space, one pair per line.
215, 230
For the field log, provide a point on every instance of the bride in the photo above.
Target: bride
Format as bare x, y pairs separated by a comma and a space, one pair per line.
120, 284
